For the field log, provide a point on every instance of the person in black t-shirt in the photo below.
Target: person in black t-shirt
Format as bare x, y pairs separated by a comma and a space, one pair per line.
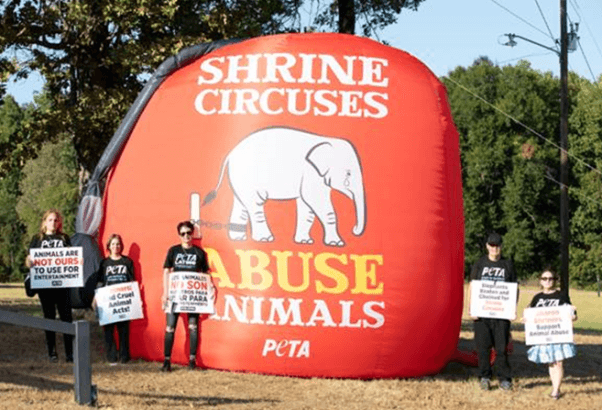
552, 354
183, 257
51, 236
490, 332
116, 268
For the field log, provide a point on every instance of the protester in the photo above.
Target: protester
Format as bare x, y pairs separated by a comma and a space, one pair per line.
116, 268
52, 236
552, 354
183, 257
490, 332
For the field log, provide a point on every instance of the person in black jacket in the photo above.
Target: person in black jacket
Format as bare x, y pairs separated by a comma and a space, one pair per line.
51, 236
116, 268
490, 332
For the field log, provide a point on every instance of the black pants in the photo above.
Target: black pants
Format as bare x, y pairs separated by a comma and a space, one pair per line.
53, 300
123, 331
494, 333
172, 321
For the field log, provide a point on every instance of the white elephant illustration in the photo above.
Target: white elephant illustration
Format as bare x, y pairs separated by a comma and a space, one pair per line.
283, 164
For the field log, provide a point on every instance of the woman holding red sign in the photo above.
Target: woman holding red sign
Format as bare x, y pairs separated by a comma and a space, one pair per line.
52, 236
182, 257
116, 268
552, 354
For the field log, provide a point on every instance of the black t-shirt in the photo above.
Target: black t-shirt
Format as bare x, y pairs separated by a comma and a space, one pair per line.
116, 271
193, 259
500, 270
554, 299
50, 241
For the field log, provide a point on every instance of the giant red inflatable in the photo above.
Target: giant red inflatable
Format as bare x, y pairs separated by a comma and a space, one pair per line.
330, 171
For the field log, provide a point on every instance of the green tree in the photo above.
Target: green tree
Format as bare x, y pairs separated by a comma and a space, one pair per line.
12, 253
343, 15
49, 181
585, 190
508, 173
94, 54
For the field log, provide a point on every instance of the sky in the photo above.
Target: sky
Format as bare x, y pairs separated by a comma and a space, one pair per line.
445, 34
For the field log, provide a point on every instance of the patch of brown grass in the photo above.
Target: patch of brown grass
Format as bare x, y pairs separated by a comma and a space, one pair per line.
27, 380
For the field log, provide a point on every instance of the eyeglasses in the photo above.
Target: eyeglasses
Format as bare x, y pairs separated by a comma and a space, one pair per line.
547, 279
186, 233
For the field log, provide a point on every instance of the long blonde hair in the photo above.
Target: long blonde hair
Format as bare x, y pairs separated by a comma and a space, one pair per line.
59, 218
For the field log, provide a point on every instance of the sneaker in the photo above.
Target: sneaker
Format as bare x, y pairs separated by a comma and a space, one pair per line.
166, 366
53, 358
484, 384
112, 363
506, 385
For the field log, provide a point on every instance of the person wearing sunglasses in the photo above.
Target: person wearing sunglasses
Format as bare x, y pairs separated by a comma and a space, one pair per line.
552, 354
182, 257
490, 332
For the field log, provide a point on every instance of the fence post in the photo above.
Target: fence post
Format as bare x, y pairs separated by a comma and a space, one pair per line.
81, 366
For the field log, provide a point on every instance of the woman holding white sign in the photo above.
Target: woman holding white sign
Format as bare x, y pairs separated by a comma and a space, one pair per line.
181, 258
552, 354
52, 236
116, 268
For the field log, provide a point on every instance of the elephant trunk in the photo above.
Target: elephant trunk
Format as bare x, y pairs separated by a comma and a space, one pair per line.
360, 211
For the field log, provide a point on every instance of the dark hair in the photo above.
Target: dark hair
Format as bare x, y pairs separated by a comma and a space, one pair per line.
114, 236
187, 224
554, 275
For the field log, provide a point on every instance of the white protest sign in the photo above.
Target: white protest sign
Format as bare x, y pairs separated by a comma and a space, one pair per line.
191, 292
546, 325
57, 267
493, 299
117, 303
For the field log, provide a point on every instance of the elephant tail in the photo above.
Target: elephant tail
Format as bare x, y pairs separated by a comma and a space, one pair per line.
211, 195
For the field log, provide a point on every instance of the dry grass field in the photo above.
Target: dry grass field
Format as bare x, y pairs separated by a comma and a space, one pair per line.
28, 381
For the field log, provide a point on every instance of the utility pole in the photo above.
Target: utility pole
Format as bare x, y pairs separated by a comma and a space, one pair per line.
564, 159
568, 42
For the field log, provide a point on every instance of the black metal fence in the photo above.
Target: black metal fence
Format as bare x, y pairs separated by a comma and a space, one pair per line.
82, 371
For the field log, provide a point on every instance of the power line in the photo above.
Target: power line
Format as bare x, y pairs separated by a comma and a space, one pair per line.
582, 20
523, 57
545, 21
525, 126
520, 18
587, 62
574, 190
583, 52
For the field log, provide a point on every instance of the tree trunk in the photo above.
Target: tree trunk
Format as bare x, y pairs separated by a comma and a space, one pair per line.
346, 16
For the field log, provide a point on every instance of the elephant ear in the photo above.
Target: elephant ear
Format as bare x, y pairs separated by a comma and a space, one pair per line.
320, 157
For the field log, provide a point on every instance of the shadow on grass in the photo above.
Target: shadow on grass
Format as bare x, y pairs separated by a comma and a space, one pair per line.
39, 377
153, 398
467, 326
584, 368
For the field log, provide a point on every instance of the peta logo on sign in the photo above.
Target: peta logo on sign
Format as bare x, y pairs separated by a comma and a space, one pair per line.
289, 348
